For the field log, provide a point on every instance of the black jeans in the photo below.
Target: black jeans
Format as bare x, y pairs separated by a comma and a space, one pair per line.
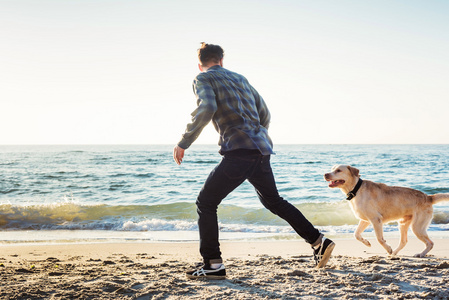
232, 171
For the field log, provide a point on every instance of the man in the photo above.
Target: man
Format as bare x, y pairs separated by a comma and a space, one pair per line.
241, 118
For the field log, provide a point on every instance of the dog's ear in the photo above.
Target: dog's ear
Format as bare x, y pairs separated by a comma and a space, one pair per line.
354, 171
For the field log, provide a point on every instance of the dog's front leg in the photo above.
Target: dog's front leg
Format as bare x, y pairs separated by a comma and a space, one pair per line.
378, 229
358, 233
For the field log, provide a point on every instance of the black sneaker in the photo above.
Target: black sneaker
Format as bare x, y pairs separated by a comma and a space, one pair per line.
207, 272
323, 253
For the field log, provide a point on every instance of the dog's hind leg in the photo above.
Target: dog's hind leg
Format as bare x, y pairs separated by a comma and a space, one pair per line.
404, 224
419, 227
358, 233
378, 229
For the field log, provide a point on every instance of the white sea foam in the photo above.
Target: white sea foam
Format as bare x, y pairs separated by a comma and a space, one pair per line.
160, 225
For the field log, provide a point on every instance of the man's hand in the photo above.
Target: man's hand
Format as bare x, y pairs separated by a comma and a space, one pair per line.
178, 154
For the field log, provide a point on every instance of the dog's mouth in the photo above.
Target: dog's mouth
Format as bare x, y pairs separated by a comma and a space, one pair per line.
335, 183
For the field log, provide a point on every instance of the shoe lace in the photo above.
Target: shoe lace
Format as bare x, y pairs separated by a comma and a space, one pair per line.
317, 255
199, 272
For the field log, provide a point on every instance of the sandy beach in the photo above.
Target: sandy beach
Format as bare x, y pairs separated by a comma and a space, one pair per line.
256, 270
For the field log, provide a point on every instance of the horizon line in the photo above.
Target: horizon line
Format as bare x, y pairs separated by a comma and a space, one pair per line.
209, 144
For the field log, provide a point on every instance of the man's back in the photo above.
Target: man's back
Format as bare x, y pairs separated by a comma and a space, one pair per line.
239, 113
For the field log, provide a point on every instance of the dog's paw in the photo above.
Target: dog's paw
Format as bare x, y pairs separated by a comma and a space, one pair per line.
366, 242
420, 255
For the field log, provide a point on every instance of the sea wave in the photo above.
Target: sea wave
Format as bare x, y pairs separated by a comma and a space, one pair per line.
172, 217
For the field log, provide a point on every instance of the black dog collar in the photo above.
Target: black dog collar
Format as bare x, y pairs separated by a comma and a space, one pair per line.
353, 193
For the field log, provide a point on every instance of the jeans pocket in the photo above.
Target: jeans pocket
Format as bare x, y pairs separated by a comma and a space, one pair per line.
266, 165
237, 169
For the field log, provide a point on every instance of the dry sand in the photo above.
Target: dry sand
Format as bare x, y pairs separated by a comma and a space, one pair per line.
256, 270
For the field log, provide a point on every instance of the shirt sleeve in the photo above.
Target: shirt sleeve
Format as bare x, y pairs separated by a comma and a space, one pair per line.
262, 109
202, 115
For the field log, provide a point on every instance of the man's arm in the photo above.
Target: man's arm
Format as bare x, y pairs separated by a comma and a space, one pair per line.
201, 116
262, 109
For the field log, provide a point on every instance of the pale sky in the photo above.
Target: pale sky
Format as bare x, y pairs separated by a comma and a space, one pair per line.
121, 71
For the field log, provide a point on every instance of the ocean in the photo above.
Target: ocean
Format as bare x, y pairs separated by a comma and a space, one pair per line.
136, 193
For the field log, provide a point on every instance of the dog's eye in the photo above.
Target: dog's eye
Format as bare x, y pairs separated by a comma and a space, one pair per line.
337, 171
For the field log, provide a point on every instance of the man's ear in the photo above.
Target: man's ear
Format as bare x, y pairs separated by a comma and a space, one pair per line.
200, 67
354, 171
221, 62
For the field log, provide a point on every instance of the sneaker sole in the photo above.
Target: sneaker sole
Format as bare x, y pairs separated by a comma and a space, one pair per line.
212, 277
326, 256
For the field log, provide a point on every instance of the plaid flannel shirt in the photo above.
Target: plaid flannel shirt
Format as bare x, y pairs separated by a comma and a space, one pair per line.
238, 112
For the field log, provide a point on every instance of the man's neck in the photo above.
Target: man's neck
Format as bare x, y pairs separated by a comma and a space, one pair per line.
205, 68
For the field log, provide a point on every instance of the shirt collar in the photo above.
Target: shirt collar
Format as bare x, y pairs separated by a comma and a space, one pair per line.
214, 67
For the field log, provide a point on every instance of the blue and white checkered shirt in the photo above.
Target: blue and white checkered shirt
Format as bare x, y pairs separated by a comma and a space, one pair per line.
238, 112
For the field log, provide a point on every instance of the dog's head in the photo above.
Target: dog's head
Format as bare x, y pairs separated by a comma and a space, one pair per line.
342, 176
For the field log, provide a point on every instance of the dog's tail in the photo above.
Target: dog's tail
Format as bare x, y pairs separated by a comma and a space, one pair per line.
439, 197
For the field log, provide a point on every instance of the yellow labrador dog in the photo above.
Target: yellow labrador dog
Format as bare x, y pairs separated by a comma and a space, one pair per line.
377, 203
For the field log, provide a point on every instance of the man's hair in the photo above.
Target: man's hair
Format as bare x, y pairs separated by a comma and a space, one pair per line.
209, 53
